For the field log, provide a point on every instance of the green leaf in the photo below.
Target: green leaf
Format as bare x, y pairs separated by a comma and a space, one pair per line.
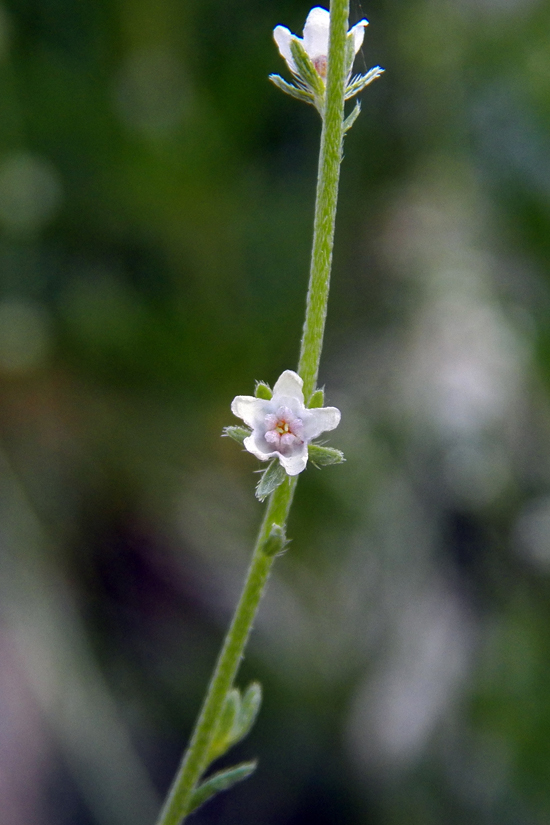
263, 390
227, 726
306, 70
358, 83
317, 399
238, 434
270, 480
275, 542
352, 117
237, 717
323, 456
250, 706
290, 89
221, 781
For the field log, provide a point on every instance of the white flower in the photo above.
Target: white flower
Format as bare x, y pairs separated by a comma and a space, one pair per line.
283, 426
315, 40
307, 59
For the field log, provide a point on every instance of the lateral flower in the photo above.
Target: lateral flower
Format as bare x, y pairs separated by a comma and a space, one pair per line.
282, 427
307, 59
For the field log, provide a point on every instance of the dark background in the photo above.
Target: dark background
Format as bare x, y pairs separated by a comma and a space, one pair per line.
156, 200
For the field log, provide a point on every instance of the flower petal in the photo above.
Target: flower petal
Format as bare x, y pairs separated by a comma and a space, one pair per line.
320, 420
296, 462
282, 37
358, 32
316, 32
259, 448
293, 404
251, 410
289, 384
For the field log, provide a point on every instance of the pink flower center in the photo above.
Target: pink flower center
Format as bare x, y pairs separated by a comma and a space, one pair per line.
283, 429
320, 64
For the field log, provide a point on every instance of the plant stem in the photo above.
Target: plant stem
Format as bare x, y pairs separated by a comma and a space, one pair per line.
194, 762
330, 157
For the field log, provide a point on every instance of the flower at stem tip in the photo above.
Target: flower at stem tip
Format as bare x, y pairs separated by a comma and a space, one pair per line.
282, 426
307, 59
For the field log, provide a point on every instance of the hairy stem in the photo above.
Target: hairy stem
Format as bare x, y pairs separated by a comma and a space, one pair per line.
330, 157
193, 764
195, 759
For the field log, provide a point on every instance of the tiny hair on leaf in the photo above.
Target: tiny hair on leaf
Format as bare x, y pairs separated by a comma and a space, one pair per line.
271, 478
221, 781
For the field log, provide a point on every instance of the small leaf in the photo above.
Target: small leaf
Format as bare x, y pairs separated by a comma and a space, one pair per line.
270, 480
323, 456
290, 89
275, 542
221, 781
317, 399
238, 434
352, 117
263, 390
306, 69
227, 726
250, 706
358, 83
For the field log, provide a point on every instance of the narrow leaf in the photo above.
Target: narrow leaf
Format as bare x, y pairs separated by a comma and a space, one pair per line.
352, 117
270, 480
358, 84
227, 726
290, 89
221, 781
323, 456
238, 434
250, 706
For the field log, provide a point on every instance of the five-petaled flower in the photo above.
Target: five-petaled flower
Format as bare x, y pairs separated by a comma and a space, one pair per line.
307, 59
283, 426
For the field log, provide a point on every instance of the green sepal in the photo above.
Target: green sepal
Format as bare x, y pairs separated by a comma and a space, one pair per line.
221, 781
358, 83
290, 89
263, 390
350, 52
238, 434
352, 117
276, 541
306, 70
271, 478
317, 399
323, 456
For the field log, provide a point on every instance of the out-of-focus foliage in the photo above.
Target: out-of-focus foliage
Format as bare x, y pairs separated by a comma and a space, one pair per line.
156, 199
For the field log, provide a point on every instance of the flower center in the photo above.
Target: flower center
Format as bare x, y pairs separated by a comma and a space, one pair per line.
320, 64
283, 430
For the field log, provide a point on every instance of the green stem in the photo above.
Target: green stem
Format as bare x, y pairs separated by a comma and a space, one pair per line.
194, 762
330, 157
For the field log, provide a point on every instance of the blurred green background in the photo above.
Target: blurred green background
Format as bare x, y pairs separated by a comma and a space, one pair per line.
156, 201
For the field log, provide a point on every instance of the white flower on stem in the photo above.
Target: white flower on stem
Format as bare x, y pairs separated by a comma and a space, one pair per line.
307, 59
282, 427
315, 40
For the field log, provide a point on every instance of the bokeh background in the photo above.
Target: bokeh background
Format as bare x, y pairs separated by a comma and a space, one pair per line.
156, 199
